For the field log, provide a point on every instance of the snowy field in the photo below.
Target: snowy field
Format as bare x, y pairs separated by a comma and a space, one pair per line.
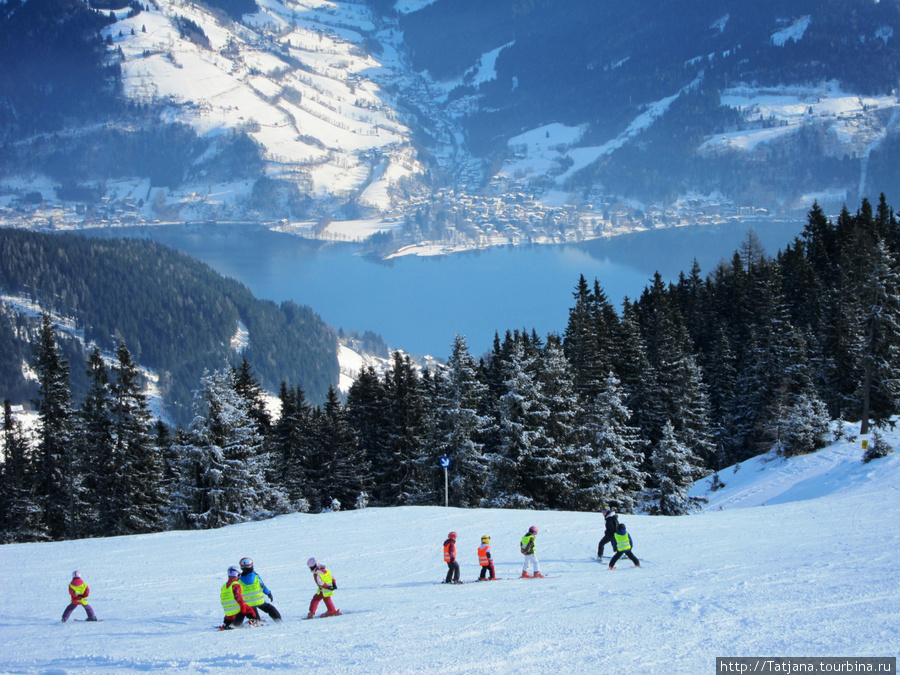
790, 558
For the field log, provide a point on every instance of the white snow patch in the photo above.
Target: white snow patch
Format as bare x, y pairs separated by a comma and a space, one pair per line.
793, 32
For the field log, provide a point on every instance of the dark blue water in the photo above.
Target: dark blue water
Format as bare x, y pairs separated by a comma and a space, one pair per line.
420, 304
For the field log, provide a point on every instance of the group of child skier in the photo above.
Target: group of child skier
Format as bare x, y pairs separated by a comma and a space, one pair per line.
245, 594
614, 533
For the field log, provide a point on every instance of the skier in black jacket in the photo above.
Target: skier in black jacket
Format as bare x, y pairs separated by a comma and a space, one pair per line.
609, 534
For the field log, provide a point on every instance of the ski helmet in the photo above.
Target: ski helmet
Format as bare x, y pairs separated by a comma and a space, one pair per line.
485, 539
246, 563
452, 536
312, 563
234, 571
533, 529
76, 574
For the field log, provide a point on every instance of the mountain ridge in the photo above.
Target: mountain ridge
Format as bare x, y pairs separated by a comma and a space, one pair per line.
311, 114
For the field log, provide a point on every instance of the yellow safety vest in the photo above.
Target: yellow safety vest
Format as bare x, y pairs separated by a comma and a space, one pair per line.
325, 577
528, 544
483, 551
78, 591
229, 602
253, 593
623, 542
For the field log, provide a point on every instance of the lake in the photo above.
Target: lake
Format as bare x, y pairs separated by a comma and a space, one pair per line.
419, 304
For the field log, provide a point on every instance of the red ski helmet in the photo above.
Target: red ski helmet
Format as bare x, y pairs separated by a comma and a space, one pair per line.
452, 536
533, 529
246, 563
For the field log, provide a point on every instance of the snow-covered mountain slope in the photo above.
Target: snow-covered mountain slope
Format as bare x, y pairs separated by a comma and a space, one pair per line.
294, 76
799, 560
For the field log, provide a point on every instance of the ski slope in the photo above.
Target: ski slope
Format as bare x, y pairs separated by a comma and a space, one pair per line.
791, 558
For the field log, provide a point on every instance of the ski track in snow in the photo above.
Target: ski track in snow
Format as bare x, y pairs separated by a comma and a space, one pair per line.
814, 575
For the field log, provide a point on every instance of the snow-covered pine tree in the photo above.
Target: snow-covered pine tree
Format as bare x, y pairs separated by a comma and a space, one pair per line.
636, 375
221, 480
557, 391
518, 468
675, 468
588, 339
461, 426
58, 482
610, 454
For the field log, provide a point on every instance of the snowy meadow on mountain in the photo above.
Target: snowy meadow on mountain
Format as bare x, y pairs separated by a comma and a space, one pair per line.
792, 557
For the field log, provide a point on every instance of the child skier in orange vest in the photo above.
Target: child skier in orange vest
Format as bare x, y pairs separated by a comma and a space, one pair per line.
486, 560
450, 559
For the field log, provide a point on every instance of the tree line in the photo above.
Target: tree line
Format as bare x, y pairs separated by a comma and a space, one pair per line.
624, 407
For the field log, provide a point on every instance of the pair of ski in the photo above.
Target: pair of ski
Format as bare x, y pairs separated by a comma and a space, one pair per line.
305, 618
476, 581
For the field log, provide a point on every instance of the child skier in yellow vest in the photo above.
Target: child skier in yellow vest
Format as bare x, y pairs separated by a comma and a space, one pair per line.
325, 588
623, 545
78, 593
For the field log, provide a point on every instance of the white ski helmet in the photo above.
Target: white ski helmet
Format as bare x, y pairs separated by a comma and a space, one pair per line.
234, 571
312, 563
246, 562
76, 574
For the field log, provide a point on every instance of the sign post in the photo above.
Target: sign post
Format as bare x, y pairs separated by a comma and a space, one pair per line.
445, 463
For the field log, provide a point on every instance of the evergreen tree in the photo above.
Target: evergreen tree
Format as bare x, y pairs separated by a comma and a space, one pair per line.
880, 387
338, 469
589, 338
606, 469
675, 468
221, 477
289, 440
59, 488
398, 465
461, 426
96, 449
249, 389
367, 416
138, 466
525, 468
557, 391
20, 515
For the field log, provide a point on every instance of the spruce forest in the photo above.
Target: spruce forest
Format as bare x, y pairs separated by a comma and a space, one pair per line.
624, 407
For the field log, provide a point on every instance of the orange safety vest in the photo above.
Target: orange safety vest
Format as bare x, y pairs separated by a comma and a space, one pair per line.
483, 558
447, 545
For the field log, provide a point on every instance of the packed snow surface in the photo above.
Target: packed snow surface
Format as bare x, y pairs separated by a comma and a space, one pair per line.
792, 557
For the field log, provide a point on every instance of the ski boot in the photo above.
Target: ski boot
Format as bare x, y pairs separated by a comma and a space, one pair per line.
538, 575
525, 575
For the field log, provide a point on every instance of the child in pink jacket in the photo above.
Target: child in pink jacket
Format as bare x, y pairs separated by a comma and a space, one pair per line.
79, 592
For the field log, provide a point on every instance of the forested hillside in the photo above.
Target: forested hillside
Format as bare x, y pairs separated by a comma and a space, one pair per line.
176, 315
623, 407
